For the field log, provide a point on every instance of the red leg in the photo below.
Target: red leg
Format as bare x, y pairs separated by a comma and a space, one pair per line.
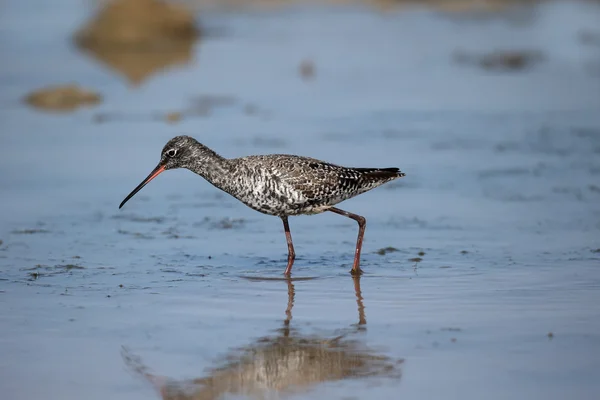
362, 223
291, 252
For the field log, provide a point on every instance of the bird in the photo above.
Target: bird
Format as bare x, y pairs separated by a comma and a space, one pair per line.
281, 185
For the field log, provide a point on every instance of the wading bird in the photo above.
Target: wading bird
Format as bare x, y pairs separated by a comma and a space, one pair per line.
277, 184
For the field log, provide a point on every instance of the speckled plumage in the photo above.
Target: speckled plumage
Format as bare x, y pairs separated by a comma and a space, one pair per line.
277, 184
280, 184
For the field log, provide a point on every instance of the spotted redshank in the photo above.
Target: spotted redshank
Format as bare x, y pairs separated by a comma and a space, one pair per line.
277, 184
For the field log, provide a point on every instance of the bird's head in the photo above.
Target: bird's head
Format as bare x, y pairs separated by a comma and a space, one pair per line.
179, 152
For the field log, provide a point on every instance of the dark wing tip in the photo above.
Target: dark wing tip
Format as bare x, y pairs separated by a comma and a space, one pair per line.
395, 171
382, 173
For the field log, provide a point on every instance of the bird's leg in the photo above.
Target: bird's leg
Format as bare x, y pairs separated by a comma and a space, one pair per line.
362, 223
291, 252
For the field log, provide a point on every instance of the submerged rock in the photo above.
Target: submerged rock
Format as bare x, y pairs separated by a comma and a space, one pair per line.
139, 25
62, 98
383, 251
140, 37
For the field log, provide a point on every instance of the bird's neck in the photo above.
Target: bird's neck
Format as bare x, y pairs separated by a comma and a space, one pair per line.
209, 165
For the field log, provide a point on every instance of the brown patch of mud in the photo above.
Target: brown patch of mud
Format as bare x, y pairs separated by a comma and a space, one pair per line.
501, 60
294, 363
138, 24
140, 37
383, 251
62, 98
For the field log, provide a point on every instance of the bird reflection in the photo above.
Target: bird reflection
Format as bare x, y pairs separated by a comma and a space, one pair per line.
362, 320
282, 364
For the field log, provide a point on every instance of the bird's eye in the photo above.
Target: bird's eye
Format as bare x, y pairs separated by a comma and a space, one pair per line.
171, 153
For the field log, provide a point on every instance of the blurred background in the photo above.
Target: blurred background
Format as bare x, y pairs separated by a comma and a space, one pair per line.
481, 265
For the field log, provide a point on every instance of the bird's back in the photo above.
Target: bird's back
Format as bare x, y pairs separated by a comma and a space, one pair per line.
283, 184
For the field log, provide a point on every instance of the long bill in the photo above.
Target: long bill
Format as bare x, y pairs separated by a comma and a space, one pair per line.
159, 168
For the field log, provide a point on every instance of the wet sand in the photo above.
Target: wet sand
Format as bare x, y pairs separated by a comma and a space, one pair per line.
481, 265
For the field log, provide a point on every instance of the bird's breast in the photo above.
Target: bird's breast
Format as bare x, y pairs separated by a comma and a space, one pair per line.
265, 194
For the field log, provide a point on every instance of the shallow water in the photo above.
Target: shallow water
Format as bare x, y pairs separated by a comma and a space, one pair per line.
502, 195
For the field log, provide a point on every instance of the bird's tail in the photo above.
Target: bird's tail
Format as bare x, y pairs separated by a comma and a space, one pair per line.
381, 173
